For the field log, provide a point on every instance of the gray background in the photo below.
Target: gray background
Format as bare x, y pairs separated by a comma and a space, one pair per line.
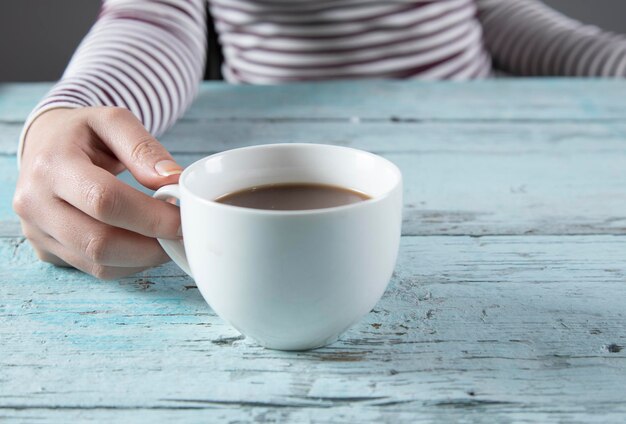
37, 37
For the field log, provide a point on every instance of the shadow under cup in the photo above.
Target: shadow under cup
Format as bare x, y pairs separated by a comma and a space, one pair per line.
291, 280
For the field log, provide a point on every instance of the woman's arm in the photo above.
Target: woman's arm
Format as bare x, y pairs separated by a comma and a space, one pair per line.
143, 55
526, 37
132, 76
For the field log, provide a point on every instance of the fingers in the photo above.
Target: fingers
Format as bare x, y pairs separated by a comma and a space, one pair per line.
104, 272
48, 257
148, 161
36, 237
100, 243
107, 199
75, 212
103, 259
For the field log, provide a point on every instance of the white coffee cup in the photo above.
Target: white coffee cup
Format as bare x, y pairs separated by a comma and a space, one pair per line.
291, 280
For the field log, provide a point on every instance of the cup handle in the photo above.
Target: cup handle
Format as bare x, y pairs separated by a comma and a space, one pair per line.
174, 248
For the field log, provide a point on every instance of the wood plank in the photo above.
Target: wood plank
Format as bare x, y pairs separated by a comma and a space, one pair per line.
8, 179
486, 187
10, 229
451, 138
534, 177
509, 329
9, 137
419, 138
499, 99
18, 99
477, 191
422, 137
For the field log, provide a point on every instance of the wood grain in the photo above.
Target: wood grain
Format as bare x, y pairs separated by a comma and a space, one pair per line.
502, 99
460, 187
447, 137
507, 304
506, 326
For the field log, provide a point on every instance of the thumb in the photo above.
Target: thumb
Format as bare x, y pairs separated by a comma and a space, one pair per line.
146, 159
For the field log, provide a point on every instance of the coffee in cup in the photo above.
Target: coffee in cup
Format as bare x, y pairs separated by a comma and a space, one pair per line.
292, 197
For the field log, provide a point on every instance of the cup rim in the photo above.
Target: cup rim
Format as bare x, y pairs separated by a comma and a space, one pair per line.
241, 209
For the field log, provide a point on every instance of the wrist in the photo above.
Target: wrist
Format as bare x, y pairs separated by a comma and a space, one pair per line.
42, 115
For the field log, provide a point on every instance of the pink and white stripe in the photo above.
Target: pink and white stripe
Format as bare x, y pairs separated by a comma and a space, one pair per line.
149, 55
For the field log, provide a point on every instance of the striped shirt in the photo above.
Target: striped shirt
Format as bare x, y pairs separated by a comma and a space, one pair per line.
149, 55
314, 40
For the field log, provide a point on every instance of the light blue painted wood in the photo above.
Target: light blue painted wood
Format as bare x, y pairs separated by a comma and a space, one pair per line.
9, 136
192, 136
527, 325
508, 327
8, 179
487, 188
18, 99
501, 99
538, 176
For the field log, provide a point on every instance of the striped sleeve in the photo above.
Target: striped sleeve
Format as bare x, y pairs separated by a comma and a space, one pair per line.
143, 55
526, 37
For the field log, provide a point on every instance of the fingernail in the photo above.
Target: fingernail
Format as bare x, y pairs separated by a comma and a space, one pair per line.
167, 167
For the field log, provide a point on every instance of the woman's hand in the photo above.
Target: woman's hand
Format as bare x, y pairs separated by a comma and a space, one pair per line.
73, 209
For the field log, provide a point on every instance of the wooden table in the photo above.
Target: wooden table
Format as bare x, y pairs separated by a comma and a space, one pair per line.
508, 303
